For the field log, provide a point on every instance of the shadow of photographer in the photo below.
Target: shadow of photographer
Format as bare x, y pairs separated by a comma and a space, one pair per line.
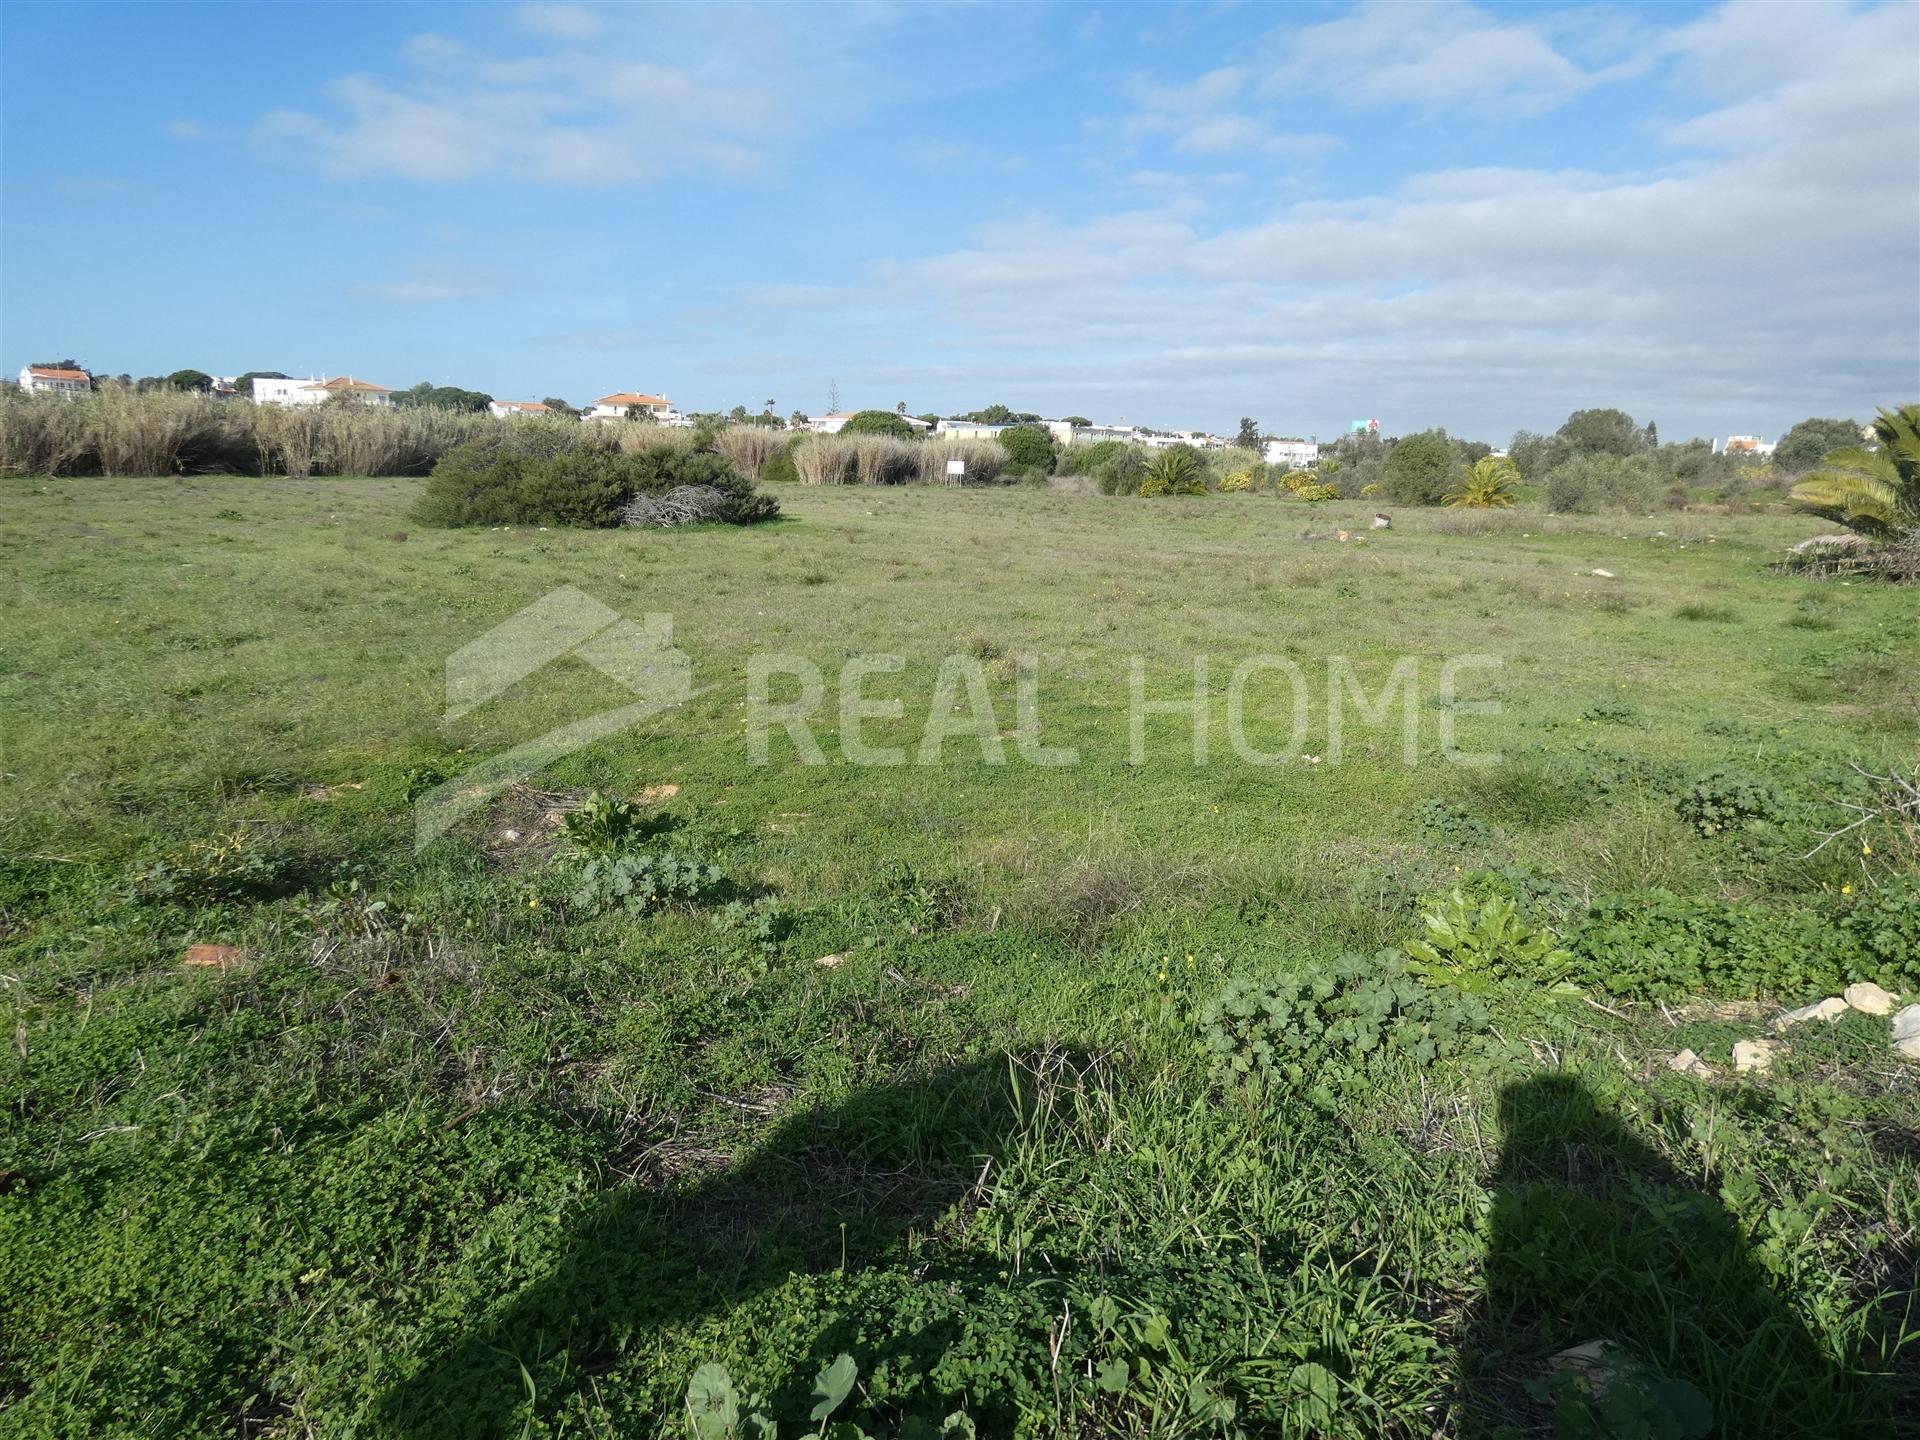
843, 1186
1595, 1238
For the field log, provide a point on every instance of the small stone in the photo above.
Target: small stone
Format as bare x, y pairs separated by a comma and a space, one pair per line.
1829, 1010
1868, 998
1604, 574
831, 962
1906, 1025
1688, 1063
211, 957
1909, 1047
1754, 1056
1383, 522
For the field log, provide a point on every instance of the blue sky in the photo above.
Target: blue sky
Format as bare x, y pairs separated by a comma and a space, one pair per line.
1434, 214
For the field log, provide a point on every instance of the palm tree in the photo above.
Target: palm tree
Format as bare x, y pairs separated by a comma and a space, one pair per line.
1489, 485
1875, 493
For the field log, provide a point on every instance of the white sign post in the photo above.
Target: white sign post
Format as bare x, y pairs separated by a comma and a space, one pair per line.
956, 470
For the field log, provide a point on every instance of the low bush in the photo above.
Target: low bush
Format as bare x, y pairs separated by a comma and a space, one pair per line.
1323, 1030
483, 484
1029, 448
1726, 800
495, 482
879, 422
1588, 484
779, 470
1654, 945
1420, 469
639, 881
1236, 482
1089, 458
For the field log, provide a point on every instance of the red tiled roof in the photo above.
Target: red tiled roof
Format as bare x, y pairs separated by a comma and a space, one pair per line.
344, 383
628, 398
50, 372
530, 406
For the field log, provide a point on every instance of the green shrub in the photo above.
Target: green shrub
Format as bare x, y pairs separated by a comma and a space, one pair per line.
639, 881
1725, 800
1420, 469
1315, 494
1028, 447
879, 422
1653, 945
1323, 1029
1588, 484
494, 482
1088, 459
481, 483
1122, 473
780, 469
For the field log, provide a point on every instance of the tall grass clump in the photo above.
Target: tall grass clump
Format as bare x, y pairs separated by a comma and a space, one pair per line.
750, 448
43, 434
856, 460
986, 460
119, 431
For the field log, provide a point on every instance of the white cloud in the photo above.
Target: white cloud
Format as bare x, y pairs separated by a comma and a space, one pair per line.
1196, 119
562, 22
186, 130
1766, 270
1435, 56
571, 115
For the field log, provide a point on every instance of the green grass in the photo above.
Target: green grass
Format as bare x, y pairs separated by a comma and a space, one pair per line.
443, 1154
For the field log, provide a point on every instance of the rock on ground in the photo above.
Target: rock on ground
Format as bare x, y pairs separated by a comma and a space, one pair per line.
1754, 1056
1868, 998
1830, 1009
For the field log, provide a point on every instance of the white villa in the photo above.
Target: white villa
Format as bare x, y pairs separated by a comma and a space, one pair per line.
504, 408
1300, 454
318, 392
54, 380
616, 406
835, 423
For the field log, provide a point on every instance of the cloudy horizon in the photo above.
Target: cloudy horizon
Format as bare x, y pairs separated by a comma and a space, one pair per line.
1477, 217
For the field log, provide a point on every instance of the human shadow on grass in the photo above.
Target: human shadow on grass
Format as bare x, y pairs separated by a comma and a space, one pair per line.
842, 1187
1594, 1238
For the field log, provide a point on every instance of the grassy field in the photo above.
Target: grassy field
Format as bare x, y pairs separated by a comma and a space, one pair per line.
938, 1074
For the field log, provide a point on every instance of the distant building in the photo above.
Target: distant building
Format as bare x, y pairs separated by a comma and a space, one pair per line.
1747, 445
835, 423
317, 392
54, 380
1299, 454
519, 407
617, 406
969, 429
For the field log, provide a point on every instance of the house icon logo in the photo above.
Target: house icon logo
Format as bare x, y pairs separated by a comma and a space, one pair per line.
638, 655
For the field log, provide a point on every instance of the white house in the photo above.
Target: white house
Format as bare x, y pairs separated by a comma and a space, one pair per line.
519, 407
318, 392
835, 423
54, 380
616, 406
1747, 445
1299, 454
